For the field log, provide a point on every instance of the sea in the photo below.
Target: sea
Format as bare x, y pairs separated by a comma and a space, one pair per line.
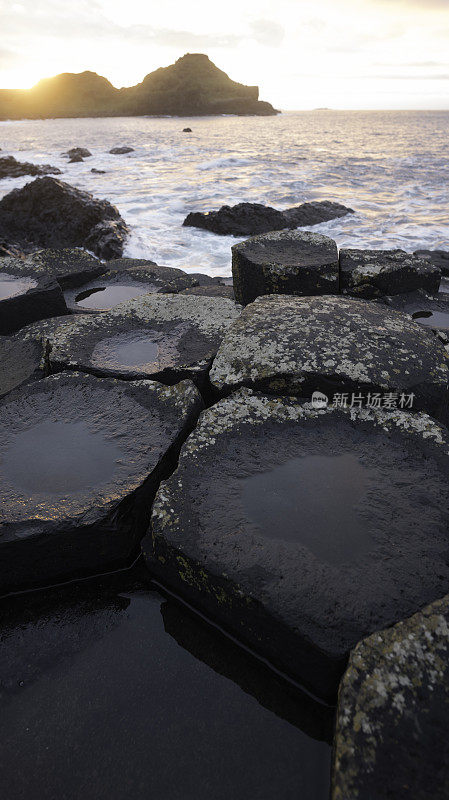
391, 167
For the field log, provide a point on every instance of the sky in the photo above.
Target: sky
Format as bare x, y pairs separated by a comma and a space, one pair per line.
352, 54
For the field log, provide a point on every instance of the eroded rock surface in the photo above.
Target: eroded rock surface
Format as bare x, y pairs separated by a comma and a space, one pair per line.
336, 345
25, 298
250, 219
284, 263
11, 168
166, 337
80, 460
20, 362
50, 213
69, 266
126, 283
392, 737
302, 531
431, 312
375, 273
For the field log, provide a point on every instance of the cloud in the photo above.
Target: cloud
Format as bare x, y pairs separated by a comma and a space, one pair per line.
267, 32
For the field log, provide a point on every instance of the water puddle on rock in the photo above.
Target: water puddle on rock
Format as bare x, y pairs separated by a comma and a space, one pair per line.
432, 319
60, 457
106, 297
132, 352
11, 286
313, 501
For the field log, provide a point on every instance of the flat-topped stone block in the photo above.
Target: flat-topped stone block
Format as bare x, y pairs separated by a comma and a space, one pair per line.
25, 298
431, 312
69, 266
375, 273
393, 714
301, 531
126, 283
284, 262
336, 345
80, 460
165, 337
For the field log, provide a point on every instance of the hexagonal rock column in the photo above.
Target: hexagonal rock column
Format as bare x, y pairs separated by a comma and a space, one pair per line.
301, 531
25, 298
165, 337
284, 263
392, 737
374, 273
80, 460
336, 345
431, 312
69, 266
119, 285
20, 361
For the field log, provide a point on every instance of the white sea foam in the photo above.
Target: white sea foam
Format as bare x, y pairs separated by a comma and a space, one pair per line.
391, 167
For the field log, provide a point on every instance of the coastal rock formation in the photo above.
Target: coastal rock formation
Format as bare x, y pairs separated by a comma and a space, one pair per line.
80, 460
126, 282
439, 258
69, 266
431, 312
335, 345
392, 736
159, 336
250, 219
284, 263
25, 298
120, 151
20, 361
193, 86
375, 273
297, 531
50, 213
78, 152
11, 168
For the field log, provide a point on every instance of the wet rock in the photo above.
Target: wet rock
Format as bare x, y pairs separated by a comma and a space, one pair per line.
98, 171
375, 273
75, 160
50, 213
25, 298
80, 460
11, 168
125, 283
284, 263
439, 258
126, 263
211, 291
301, 531
71, 267
165, 337
201, 279
78, 152
250, 219
187, 130
20, 361
119, 151
336, 345
431, 312
393, 716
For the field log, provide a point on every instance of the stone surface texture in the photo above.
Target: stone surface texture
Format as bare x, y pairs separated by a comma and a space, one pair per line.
375, 273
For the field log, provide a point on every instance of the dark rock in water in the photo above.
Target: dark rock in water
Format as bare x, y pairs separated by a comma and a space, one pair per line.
187, 130
80, 460
339, 346
50, 213
20, 361
75, 160
392, 737
375, 273
216, 290
78, 152
249, 219
439, 258
25, 298
244, 219
98, 171
119, 151
163, 337
284, 263
431, 312
301, 531
125, 283
69, 266
11, 168
315, 213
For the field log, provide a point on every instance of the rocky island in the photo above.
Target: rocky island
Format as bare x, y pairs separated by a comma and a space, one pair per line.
193, 86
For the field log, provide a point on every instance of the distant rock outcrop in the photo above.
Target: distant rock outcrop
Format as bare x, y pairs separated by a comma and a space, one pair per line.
193, 86
11, 168
49, 213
